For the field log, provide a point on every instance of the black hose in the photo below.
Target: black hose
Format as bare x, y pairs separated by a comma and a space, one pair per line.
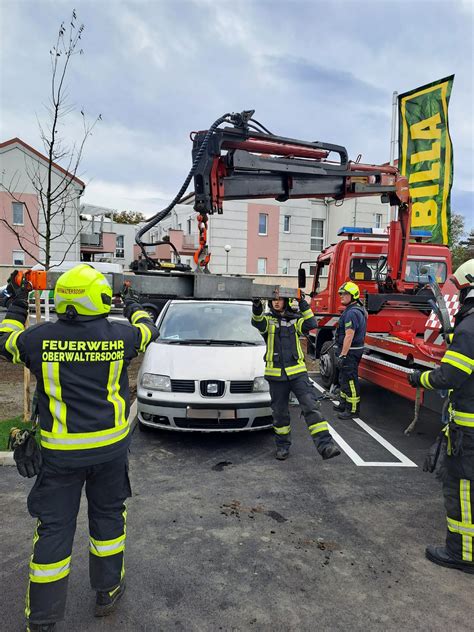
166, 211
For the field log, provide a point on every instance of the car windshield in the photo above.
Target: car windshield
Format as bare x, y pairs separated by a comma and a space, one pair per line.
209, 323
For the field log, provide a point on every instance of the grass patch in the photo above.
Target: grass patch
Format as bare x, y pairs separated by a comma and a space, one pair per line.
5, 427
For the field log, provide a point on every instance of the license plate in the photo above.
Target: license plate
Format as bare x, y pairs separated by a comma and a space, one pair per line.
209, 413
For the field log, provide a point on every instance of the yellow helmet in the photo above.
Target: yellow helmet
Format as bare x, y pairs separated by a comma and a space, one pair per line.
351, 288
85, 290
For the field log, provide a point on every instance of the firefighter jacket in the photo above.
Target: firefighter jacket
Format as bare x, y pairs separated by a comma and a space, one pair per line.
456, 374
353, 317
82, 383
284, 357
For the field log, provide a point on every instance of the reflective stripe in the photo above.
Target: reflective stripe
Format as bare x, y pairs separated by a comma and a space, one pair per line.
124, 514
466, 515
146, 336
12, 347
27, 600
459, 361
52, 388
354, 400
140, 313
319, 427
282, 430
8, 324
258, 317
83, 440
462, 419
425, 379
307, 314
113, 390
46, 573
272, 372
457, 526
105, 548
294, 370
270, 347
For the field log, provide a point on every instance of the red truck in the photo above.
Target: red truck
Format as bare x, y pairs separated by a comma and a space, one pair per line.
399, 337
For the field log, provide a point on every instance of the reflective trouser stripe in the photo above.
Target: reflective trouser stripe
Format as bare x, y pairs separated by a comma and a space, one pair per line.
27, 604
104, 548
8, 324
124, 514
146, 336
425, 379
353, 400
12, 347
466, 515
282, 430
319, 427
140, 313
113, 392
84, 440
52, 387
45, 573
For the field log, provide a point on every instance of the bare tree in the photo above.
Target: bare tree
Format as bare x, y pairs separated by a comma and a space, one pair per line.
56, 189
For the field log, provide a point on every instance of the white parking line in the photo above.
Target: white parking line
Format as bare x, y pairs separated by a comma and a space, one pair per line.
403, 461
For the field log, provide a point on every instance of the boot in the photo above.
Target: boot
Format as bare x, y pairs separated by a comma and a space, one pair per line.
40, 627
346, 414
329, 451
282, 453
439, 555
106, 601
339, 406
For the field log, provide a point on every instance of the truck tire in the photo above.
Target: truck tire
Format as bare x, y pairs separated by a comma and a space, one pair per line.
327, 364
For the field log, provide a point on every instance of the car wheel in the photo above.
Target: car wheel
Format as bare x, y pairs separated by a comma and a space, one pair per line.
327, 364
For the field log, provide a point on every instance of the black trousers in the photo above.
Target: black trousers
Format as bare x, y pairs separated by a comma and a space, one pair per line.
349, 382
458, 491
54, 500
304, 392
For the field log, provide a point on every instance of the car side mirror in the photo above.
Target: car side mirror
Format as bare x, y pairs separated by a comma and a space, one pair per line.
301, 278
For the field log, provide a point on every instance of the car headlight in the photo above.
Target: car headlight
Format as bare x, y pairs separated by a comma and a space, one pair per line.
260, 385
156, 382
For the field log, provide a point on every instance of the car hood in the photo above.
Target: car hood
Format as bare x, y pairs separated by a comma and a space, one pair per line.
204, 362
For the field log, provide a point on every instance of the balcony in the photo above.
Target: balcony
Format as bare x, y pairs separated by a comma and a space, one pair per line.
91, 239
98, 242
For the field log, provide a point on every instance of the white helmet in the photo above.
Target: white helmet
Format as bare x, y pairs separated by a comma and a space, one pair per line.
463, 279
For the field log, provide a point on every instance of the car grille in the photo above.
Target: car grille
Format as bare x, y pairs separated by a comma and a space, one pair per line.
244, 386
206, 385
262, 421
182, 386
210, 424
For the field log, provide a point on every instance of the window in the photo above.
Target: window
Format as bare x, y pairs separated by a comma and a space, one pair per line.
286, 223
378, 220
418, 271
262, 266
189, 226
317, 234
285, 268
119, 247
17, 208
262, 224
363, 269
18, 258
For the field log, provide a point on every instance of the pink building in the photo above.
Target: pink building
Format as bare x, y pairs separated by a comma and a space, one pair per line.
24, 170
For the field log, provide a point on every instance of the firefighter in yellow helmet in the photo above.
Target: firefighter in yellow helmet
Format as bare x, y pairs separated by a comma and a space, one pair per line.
80, 364
456, 374
350, 335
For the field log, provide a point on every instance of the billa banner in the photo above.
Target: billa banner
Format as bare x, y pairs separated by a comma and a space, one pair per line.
426, 156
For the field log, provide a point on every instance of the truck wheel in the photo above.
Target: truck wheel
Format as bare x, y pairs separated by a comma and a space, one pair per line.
327, 364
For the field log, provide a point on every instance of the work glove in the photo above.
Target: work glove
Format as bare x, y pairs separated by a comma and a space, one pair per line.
26, 452
128, 295
414, 378
341, 362
17, 288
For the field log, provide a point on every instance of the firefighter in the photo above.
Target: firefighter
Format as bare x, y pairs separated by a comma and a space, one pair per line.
80, 364
456, 374
350, 335
285, 370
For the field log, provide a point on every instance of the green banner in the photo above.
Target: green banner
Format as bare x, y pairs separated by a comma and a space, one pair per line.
426, 156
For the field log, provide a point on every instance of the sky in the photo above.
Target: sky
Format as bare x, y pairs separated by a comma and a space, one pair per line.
157, 70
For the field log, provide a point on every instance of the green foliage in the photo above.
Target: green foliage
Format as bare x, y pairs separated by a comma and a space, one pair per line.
460, 252
128, 217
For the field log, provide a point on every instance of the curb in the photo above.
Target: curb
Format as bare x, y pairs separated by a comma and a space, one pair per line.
6, 458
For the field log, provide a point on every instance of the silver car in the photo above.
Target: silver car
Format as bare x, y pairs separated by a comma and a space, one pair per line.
205, 371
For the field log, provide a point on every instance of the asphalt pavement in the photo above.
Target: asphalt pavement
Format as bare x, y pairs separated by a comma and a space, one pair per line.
221, 536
